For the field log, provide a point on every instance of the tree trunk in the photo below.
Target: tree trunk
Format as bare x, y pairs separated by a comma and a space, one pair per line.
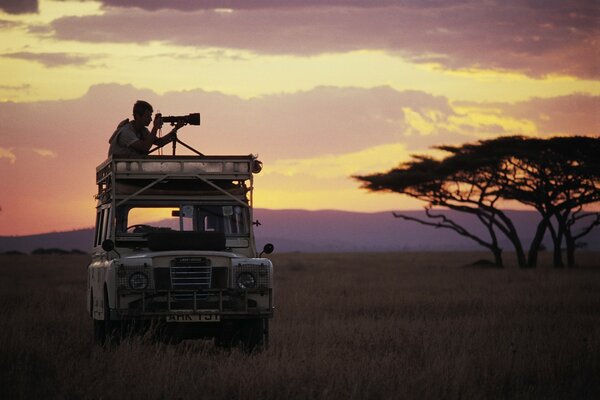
557, 257
511, 233
557, 241
570, 242
521, 259
497, 252
534, 248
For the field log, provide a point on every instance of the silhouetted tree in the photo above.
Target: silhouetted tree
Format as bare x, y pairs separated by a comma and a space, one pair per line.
462, 185
556, 176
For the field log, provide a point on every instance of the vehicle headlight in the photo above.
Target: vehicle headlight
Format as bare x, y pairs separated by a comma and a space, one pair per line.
246, 280
138, 281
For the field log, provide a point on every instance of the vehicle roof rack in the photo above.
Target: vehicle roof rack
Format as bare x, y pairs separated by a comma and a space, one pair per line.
117, 175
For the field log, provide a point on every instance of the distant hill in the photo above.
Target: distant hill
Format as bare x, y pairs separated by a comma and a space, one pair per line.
322, 231
78, 239
326, 231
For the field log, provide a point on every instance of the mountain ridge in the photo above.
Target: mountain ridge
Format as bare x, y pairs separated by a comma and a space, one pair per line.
330, 231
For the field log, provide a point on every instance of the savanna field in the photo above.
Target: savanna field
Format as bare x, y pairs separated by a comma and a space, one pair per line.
347, 326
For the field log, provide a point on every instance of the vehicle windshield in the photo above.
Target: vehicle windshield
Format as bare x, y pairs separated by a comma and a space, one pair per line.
231, 220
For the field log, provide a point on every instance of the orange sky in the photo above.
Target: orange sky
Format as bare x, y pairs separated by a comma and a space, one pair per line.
321, 90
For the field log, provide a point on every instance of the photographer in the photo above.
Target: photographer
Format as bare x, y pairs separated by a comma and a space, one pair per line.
132, 138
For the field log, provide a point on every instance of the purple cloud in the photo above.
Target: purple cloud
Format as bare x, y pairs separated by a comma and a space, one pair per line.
49, 59
19, 6
575, 114
193, 5
322, 121
5, 24
534, 38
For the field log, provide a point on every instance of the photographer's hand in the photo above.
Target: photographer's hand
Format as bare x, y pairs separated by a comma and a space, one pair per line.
169, 137
177, 126
173, 132
158, 122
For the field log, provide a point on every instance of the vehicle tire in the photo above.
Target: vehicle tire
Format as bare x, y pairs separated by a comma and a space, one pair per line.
112, 329
99, 332
254, 334
228, 337
99, 328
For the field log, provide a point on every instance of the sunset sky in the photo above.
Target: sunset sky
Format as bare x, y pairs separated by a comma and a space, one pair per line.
319, 89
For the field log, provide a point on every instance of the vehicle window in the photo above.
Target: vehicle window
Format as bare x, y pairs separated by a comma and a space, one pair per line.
227, 219
98, 234
105, 225
145, 219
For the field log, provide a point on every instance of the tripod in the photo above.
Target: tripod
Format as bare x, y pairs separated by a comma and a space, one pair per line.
174, 141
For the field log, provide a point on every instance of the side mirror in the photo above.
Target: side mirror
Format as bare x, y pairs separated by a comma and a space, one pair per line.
268, 249
257, 166
108, 245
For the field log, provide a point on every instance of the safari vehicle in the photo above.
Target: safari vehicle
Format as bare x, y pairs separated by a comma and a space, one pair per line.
174, 249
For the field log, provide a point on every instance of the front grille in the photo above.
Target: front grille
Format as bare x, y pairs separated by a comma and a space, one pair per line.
190, 273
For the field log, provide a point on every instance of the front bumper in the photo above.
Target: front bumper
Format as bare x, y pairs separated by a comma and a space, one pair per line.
226, 303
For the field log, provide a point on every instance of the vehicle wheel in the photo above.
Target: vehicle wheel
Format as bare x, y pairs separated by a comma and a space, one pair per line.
254, 334
105, 330
114, 332
228, 337
98, 325
99, 332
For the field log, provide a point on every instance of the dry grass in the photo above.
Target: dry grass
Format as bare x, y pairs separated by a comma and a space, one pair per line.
347, 326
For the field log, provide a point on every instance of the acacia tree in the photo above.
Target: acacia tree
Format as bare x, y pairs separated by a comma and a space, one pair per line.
466, 185
576, 170
556, 176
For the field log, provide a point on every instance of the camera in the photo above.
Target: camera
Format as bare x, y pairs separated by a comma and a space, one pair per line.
190, 119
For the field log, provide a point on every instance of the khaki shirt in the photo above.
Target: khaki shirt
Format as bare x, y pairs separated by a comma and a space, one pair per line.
122, 139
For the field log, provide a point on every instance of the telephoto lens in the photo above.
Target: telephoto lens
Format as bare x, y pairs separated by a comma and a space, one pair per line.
190, 119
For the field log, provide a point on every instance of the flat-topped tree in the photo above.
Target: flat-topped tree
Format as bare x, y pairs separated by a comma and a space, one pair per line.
459, 185
557, 176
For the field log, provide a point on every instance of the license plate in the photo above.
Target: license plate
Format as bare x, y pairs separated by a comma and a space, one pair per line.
193, 318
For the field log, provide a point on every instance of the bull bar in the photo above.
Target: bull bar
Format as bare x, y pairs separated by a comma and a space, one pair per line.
230, 303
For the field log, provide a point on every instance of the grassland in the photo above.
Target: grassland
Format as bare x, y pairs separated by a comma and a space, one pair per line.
347, 326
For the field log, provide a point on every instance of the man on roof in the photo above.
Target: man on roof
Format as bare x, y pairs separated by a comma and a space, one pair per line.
132, 138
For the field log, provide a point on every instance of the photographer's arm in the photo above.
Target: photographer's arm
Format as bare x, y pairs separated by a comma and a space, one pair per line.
144, 145
168, 137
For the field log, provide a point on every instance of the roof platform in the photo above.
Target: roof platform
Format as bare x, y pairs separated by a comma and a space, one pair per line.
155, 167
165, 177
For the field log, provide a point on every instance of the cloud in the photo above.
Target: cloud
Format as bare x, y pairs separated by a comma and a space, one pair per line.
8, 154
19, 6
5, 24
192, 5
17, 88
316, 123
310, 142
575, 114
537, 39
49, 59
45, 153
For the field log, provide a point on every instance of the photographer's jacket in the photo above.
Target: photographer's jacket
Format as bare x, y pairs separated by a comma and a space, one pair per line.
122, 139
